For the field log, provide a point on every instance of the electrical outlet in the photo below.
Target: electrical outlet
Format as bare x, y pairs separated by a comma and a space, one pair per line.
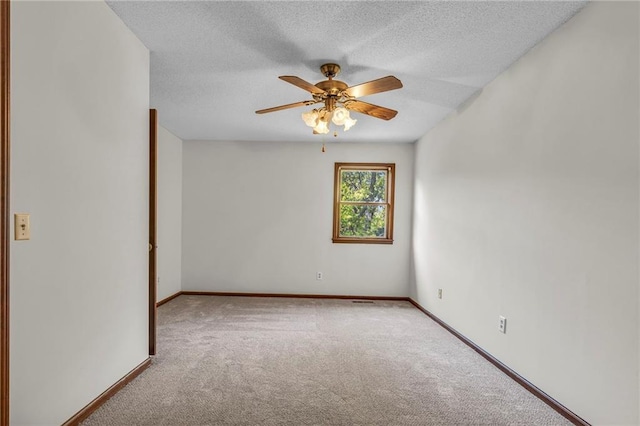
439, 293
502, 325
319, 276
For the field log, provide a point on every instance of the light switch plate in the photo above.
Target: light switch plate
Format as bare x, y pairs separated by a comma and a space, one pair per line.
21, 226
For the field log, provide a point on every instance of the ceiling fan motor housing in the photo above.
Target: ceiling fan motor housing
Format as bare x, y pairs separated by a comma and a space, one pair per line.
332, 87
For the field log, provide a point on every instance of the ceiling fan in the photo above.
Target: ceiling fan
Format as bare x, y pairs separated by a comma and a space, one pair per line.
338, 99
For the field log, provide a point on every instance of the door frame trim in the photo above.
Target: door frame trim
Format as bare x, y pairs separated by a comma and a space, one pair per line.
5, 161
153, 217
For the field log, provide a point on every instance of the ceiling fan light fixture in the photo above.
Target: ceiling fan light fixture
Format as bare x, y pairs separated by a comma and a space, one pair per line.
349, 123
311, 118
340, 116
325, 115
338, 99
322, 127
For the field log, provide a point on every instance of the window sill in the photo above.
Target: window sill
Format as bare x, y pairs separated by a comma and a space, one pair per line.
343, 240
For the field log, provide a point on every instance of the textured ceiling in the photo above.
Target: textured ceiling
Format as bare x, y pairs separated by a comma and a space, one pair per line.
214, 63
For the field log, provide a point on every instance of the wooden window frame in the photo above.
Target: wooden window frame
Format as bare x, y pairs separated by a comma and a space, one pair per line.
390, 168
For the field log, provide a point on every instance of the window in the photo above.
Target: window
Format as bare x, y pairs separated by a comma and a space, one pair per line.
363, 203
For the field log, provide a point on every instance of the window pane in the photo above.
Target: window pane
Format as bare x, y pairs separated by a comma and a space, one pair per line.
362, 221
363, 185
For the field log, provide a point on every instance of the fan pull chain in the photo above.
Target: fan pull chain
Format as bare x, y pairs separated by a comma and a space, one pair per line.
323, 150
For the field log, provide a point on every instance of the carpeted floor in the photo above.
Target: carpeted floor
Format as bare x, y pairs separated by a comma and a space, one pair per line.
272, 361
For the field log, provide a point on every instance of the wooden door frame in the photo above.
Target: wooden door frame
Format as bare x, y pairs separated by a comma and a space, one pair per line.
153, 218
5, 89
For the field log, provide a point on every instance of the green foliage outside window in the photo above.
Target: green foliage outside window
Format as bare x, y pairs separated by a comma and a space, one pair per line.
363, 203
358, 219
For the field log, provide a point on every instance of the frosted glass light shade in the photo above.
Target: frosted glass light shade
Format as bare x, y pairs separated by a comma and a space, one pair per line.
340, 115
349, 123
311, 118
322, 127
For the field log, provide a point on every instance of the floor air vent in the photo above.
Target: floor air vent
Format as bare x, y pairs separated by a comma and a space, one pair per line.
362, 301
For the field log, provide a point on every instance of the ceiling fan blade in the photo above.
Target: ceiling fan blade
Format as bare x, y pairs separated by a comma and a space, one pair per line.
287, 106
374, 86
297, 81
370, 109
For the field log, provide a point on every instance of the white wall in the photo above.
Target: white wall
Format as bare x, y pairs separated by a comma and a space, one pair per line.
257, 217
169, 213
80, 99
526, 205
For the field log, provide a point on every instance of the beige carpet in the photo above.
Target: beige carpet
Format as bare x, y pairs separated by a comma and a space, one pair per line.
271, 361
